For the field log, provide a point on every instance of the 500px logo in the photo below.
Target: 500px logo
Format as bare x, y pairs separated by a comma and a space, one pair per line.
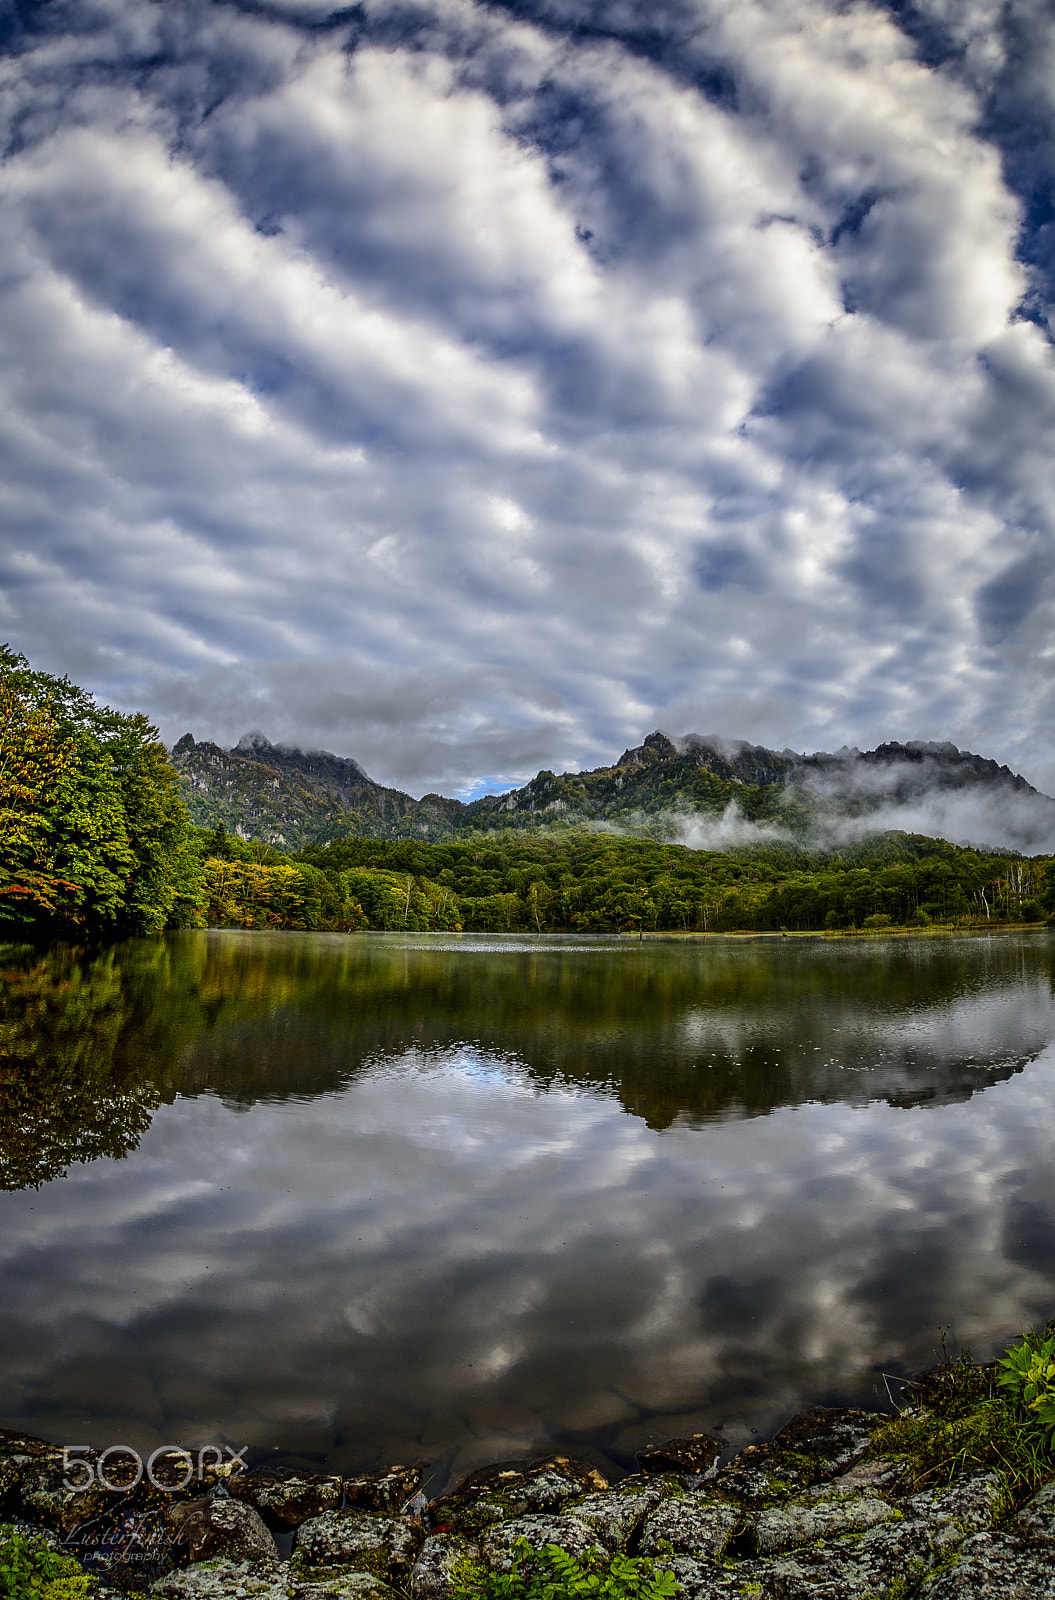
93, 1473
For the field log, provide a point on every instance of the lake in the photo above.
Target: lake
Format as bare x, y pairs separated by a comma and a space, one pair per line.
372, 1198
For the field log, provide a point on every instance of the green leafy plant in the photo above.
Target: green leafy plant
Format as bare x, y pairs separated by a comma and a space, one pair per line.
552, 1574
965, 1418
30, 1571
1027, 1372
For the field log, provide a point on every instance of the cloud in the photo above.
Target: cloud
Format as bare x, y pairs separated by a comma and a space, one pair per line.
596, 367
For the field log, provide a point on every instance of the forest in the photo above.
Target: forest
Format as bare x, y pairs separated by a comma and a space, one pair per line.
583, 880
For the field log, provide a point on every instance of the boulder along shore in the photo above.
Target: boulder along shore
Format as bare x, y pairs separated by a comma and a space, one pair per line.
817, 1513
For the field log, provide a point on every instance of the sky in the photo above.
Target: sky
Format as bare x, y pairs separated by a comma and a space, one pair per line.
474, 387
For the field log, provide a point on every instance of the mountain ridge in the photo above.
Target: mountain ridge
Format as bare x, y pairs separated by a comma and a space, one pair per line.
293, 798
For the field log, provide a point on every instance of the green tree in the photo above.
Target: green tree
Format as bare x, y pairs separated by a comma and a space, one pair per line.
93, 836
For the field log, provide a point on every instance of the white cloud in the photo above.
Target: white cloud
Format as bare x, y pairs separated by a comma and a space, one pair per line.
296, 308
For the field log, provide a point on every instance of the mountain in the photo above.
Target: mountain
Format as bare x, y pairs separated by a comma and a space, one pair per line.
704, 791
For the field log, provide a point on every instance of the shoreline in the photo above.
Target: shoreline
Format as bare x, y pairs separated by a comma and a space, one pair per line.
838, 1504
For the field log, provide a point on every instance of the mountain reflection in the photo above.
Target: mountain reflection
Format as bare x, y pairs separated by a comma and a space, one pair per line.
680, 1033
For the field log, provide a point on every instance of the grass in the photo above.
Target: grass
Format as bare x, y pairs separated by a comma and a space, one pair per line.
966, 1417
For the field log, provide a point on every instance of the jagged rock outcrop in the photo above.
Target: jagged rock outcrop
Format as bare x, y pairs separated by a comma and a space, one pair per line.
293, 798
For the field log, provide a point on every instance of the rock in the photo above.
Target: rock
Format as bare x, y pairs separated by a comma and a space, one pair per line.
343, 1585
287, 1498
614, 1515
225, 1580
692, 1455
695, 1525
539, 1530
21, 1456
44, 1497
706, 1580
384, 1546
222, 1528
1036, 1520
757, 1476
827, 1440
438, 1558
513, 1489
886, 1564
786, 1527
385, 1492
995, 1566
951, 1514
878, 1477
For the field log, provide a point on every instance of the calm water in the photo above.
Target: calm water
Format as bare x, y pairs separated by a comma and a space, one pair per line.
374, 1198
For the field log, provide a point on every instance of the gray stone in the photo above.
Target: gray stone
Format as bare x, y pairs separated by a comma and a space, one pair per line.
757, 1476
225, 1580
830, 1440
889, 1561
695, 1525
432, 1578
614, 1515
995, 1566
567, 1532
343, 1585
786, 1527
706, 1580
222, 1527
1036, 1520
951, 1514
867, 1477
385, 1546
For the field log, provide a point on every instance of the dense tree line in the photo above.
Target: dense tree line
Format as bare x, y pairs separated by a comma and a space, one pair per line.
580, 880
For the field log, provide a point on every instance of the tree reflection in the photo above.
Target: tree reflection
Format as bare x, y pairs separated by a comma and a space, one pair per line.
70, 1089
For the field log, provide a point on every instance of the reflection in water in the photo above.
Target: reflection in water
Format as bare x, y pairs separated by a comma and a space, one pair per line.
411, 1196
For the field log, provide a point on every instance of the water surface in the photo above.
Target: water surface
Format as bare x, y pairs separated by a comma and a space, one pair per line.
368, 1198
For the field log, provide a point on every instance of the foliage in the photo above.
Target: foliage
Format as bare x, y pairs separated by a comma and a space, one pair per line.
581, 880
93, 836
30, 1571
964, 1423
553, 1574
244, 895
1027, 1372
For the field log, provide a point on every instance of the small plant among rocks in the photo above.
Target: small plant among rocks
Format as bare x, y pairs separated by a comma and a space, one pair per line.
29, 1571
970, 1418
1027, 1373
553, 1574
